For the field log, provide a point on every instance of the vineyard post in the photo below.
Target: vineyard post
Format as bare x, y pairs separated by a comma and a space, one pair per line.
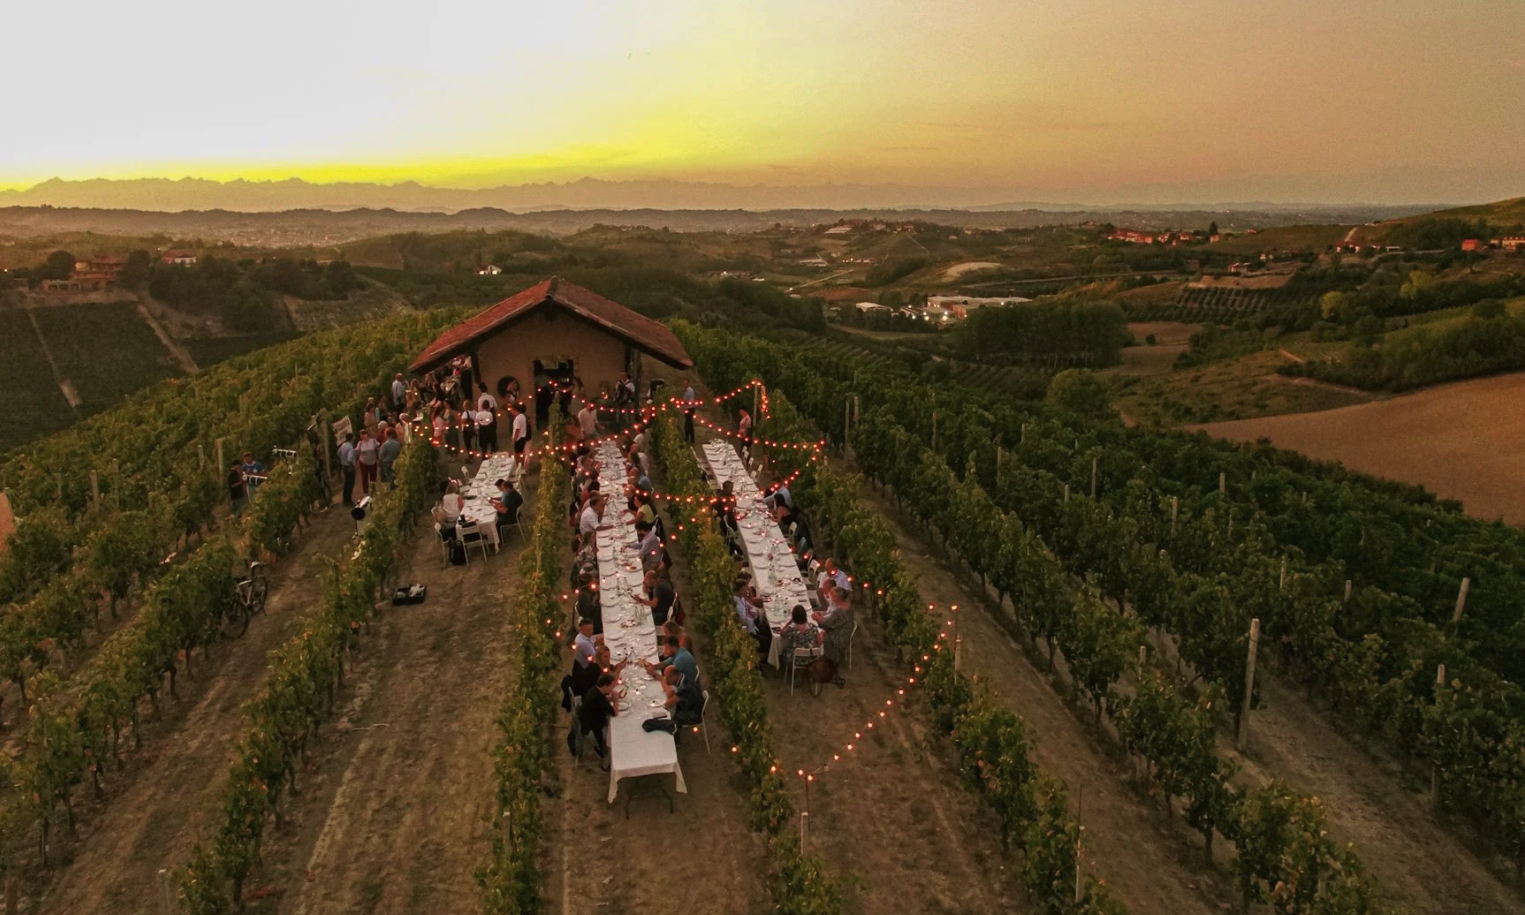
1348, 585
756, 401
1066, 492
1461, 599
1024, 435
166, 894
95, 490
324, 436
1000, 458
1283, 573
1175, 510
1222, 482
12, 895
1080, 803
934, 430
58, 487
1094, 460
847, 425
201, 455
1440, 684
219, 468
1249, 685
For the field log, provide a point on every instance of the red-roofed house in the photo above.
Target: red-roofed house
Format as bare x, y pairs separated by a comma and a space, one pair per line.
555, 329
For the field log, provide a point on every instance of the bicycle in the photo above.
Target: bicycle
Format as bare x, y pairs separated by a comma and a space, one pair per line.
249, 593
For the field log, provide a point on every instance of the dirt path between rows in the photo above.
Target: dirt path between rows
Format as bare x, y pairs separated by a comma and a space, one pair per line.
397, 794
892, 820
703, 857
1418, 863
1152, 861
168, 795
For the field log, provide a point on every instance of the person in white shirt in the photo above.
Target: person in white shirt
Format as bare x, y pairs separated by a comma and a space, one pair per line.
399, 392
486, 401
451, 504
830, 579
587, 420
521, 431
487, 428
591, 516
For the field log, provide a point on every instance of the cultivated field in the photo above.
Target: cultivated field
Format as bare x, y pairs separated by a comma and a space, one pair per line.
1464, 441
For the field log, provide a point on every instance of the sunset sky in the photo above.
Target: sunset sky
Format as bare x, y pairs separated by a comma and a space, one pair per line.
1086, 100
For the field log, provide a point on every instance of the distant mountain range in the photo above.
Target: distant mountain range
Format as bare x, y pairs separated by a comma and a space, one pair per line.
175, 195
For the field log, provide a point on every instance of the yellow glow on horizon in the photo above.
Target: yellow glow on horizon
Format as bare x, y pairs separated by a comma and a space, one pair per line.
1093, 97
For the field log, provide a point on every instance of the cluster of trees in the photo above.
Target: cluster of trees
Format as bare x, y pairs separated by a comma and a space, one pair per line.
1486, 343
892, 269
1063, 333
1437, 232
220, 288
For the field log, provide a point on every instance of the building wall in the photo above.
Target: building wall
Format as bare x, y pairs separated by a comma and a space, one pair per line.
552, 335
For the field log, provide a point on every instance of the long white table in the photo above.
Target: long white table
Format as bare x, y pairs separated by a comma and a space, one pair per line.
631, 633
774, 572
479, 493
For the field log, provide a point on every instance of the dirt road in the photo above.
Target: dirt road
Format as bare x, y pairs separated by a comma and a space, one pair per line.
168, 795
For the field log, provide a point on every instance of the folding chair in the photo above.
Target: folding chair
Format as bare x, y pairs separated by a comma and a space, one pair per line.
703, 724
808, 655
471, 535
514, 523
445, 539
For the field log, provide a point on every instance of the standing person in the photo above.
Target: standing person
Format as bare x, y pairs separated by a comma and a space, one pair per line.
236, 492
520, 432
744, 432
487, 429
441, 423
368, 457
837, 621
624, 401
587, 421
254, 474
347, 466
485, 400
689, 399
399, 393
369, 419
388, 456
466, 421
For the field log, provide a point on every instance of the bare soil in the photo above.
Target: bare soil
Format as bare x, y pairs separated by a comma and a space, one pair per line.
1462, 441
397, 798
636, 855
891, 819
1418, 863
166, 796
1154, 862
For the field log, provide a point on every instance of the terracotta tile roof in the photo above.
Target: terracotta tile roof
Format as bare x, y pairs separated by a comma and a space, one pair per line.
650, 336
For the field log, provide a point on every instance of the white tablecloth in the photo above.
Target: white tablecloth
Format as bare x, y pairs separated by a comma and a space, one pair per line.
630, 632
774, 572
482, 489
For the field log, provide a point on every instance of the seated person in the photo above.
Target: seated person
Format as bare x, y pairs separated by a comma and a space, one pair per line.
780, 497
685, 701
653, 556
800, 632
750, 613
725, 508
658, 595
830, 578
585, 647
588, 606
593, 717
451, 503
674, 654
584, 676
644, 510
507, 504
837, 620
